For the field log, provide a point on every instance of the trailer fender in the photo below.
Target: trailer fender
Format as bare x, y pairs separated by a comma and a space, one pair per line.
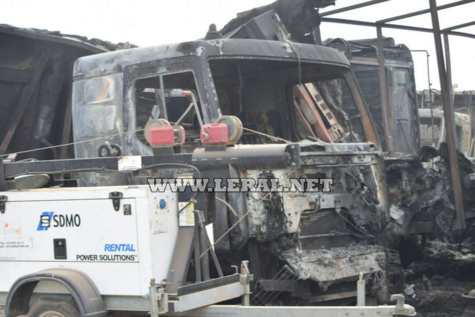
80, 286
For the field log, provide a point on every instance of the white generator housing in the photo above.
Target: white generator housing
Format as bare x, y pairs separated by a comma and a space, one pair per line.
79, 228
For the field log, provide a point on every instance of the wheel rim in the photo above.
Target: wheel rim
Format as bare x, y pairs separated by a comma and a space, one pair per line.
52, 313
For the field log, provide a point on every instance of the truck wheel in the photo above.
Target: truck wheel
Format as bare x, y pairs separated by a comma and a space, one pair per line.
53, 308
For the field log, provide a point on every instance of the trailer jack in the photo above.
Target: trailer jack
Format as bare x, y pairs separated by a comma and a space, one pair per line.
158, 300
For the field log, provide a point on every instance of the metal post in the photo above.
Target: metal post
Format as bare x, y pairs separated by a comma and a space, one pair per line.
205, 258
154, 309
360, 291
394, 26
383, 91
317, 35
352, 7
3, 184
416, 13
472, 121
431, 104
214, 257
197, 252
162, 96
448, 69
245, 279
449, 119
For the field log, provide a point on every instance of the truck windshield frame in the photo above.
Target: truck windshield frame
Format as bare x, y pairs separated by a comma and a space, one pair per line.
260, 76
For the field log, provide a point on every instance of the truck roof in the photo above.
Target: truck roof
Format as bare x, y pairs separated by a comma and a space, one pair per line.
114, 62
439, 113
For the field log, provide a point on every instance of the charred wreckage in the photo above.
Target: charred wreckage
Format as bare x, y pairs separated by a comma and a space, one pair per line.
288, 110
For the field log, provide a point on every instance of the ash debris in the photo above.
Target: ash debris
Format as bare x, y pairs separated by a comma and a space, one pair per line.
437, 260
440, 279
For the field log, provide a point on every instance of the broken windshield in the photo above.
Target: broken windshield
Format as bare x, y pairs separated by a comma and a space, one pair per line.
172, 106
290, 100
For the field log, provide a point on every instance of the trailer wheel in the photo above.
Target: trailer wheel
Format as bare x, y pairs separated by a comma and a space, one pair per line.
53, 308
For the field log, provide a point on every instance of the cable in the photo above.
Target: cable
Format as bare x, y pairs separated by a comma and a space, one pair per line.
231, 228
184, 114
273, 138
228, 205
355, 227
72, 143
299, 65
357, 217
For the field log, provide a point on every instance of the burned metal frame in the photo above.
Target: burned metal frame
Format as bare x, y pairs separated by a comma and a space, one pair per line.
353, 7
270, 156
444, 73
429, 84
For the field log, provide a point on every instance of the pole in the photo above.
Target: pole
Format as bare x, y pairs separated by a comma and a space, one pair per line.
361, 291
383, 91
430, 101
470, 105
431, 105
448, 69
317, 36
448, 66
449, 119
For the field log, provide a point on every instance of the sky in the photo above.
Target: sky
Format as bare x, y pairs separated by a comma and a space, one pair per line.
154, 22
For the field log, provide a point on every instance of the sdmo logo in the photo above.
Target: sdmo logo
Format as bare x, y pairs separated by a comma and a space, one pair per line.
48, 219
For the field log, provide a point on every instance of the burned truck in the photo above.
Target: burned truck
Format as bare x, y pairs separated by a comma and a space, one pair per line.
311, 244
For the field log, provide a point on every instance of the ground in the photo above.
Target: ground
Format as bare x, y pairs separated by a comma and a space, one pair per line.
435, 284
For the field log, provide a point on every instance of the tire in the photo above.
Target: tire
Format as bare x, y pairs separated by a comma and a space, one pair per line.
53, 308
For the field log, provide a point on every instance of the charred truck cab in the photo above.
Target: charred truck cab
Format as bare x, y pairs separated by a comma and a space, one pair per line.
304, 242
313, 245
